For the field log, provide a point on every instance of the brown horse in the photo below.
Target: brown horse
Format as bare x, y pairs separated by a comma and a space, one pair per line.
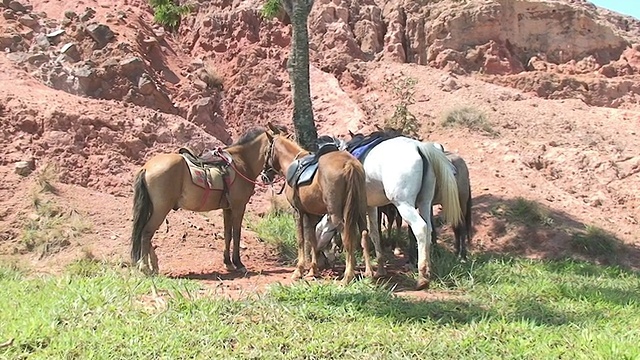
165, 183
337, 189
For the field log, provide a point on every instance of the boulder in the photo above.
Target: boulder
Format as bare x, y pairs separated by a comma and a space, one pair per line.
28, 21
24, 168
101, 34
71, 50
17, 6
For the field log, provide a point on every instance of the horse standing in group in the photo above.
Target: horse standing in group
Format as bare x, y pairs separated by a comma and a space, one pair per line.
462, 232
328, 182
404, 172
224, 179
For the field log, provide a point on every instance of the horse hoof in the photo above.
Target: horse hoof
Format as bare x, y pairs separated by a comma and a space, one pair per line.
368, 273
230, 267
346, 281
296, 275
381, 271
422, 284
242, 270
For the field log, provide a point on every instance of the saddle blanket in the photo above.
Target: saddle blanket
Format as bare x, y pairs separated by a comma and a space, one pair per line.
360, 145
212, 177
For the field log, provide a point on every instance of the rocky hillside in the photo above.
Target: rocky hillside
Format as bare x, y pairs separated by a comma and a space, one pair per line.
97, 88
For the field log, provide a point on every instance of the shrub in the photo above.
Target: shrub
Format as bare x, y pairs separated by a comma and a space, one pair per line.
402, 119
470, 118
167, 13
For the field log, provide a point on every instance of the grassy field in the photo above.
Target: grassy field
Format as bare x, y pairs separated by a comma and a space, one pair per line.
496, 308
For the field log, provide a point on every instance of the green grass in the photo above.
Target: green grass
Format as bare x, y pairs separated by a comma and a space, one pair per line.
278, 229
504, 308
595, 241
525, 211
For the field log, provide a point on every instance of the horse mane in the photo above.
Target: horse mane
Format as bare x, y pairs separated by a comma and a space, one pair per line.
249, 136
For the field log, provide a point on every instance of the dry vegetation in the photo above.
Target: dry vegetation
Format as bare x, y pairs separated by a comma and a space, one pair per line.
210, 77
469, 117
49, 228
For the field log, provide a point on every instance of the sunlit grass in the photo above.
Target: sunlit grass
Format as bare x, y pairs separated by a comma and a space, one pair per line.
503, 308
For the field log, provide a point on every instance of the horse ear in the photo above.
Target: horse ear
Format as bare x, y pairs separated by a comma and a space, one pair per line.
351, 134
273, 128
269, 136
377, 127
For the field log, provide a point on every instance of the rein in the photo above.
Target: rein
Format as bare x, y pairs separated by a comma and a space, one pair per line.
230, 163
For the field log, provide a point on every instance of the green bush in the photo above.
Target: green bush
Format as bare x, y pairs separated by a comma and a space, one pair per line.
167, 13
271, 9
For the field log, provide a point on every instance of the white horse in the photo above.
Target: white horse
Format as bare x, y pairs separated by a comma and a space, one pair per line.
404, 172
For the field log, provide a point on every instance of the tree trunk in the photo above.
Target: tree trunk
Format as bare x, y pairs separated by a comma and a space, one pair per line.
298, 67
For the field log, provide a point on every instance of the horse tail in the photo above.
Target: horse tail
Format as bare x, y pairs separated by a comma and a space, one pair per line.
355, 207
142, 210
445, 181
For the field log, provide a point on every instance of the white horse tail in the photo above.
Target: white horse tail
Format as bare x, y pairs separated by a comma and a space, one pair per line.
445, 181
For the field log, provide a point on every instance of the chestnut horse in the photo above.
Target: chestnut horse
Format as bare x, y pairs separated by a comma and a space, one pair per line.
337, 189
165, 183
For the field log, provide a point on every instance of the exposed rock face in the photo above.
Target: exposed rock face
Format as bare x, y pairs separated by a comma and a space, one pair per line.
490, 37
559, 30
503, 40
204, 112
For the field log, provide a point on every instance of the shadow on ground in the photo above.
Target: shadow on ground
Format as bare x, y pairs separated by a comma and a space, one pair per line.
522, 227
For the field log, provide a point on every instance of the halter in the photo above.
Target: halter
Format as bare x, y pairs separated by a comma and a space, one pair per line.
270, 169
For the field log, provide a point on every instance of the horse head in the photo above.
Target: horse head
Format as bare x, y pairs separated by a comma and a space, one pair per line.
271, 165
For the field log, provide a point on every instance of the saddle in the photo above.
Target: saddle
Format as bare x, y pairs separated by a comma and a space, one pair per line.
301, 171
360, 145
211, 170
213, 157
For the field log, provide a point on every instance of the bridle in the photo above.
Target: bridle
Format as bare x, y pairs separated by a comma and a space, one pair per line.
269, 172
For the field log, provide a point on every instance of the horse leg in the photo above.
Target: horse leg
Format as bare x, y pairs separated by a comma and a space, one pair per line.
325, 232
309, 223
396, 249
228, 230
380, 222
433, 230
237, 216
364, 242
350, 258
460, 232
148, 263
297, 274
412, 251
373, 224
153, 259
422, 233
457, 233
390, 221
